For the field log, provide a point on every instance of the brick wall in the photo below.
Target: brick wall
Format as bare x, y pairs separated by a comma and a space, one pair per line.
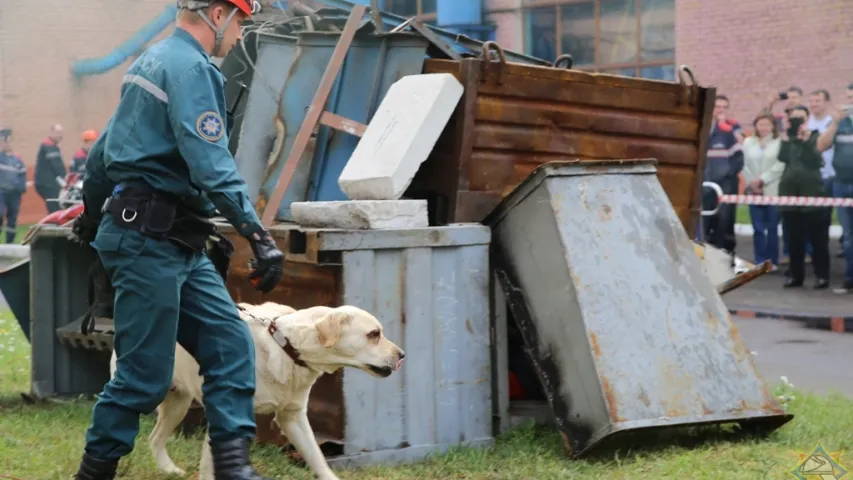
768, 48
39, 41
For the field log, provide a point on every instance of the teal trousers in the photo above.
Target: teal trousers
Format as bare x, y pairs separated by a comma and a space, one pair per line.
164, 295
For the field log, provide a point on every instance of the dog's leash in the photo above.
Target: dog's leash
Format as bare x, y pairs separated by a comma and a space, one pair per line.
276, 334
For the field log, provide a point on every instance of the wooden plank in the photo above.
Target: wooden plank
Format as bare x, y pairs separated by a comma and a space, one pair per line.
343, 124
312, 116
580, 143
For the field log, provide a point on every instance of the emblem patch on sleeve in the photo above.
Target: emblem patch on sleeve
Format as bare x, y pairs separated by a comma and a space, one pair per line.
209, 126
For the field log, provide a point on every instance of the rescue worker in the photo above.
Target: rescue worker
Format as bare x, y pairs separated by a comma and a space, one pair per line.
161, 169
13, 184
49, 167
78, 163
724, 163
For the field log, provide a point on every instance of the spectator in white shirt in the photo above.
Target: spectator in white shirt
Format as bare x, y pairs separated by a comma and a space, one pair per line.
761, 172
819, 120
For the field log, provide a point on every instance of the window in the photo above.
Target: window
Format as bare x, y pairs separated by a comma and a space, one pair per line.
410, 8
634, 38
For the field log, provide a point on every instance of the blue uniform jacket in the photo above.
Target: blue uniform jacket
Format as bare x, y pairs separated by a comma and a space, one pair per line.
725, 156
168, 132
13, 177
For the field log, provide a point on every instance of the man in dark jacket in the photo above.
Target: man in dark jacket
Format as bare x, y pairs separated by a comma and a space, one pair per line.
49, 167
13, 184
802, 177
724, 163
839, 135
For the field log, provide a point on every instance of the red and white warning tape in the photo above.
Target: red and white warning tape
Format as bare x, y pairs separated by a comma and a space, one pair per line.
779, 200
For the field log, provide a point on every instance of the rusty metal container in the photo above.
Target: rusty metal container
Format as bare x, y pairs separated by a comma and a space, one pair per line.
514, 117
430, 289
625, 329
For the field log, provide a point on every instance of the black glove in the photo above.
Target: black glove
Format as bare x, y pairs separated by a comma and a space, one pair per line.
85, 226
268, 265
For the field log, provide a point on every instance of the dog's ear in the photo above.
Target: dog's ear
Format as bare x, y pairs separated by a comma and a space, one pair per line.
329, 328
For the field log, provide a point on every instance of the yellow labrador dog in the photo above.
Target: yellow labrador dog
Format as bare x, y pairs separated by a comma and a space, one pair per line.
293, 348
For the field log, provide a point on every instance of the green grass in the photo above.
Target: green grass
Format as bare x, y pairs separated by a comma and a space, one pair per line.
44, 442
22, 230
742, 215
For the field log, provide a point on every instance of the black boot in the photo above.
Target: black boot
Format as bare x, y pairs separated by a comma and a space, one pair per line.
231, 461
93, 469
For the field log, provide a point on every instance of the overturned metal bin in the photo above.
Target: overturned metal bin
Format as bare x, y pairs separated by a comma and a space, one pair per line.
625, 329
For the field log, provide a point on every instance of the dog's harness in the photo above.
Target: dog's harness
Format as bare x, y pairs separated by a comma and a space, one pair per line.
279, 337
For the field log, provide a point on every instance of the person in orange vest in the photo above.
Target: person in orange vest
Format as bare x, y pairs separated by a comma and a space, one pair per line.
78, 163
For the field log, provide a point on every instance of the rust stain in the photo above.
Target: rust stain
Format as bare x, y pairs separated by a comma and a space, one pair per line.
740, 351
713, 321
567, 444
403, 318
468, 326
605, 213
593, 342
610, 398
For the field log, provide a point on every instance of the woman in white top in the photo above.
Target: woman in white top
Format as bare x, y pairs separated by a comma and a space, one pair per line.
762, 171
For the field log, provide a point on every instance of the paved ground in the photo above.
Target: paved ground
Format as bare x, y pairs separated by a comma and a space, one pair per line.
766, 292
814, 360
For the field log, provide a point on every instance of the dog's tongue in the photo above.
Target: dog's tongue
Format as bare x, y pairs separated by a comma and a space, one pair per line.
399, 364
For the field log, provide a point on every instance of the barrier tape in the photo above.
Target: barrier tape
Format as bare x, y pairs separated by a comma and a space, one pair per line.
787, 201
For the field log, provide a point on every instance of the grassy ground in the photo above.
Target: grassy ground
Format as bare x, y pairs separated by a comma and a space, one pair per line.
742, 215
43, 442
22, 230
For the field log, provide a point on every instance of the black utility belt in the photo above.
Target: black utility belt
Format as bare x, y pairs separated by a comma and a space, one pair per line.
160, 217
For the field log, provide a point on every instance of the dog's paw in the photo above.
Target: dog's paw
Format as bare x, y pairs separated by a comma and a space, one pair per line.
327, 476
173, 470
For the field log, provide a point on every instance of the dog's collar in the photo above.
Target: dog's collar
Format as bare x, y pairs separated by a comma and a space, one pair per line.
279, 337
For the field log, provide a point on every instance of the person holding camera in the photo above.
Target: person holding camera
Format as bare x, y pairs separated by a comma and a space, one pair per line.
802, 177
839, 135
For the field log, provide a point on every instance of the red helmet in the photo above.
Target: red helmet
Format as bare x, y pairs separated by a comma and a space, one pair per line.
248, 7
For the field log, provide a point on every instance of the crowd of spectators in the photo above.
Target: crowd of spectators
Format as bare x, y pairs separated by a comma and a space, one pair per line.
799, 146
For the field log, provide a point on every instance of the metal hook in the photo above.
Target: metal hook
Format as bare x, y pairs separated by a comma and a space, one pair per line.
124, 216
719, 191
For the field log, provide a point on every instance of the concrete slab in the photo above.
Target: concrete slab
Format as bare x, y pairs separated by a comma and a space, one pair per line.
362, 214
400, 136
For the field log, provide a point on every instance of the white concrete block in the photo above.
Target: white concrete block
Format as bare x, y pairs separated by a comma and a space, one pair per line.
361, 214
400, 136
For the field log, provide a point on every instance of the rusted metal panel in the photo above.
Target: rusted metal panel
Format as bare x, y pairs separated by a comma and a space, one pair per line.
641, 337
514, 117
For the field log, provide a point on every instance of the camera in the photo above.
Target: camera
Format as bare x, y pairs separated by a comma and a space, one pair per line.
783, 95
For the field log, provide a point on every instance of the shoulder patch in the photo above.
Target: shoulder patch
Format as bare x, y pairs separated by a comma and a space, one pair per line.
209, 126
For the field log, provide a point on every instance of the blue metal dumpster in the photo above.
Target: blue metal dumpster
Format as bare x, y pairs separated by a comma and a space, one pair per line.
288, 70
